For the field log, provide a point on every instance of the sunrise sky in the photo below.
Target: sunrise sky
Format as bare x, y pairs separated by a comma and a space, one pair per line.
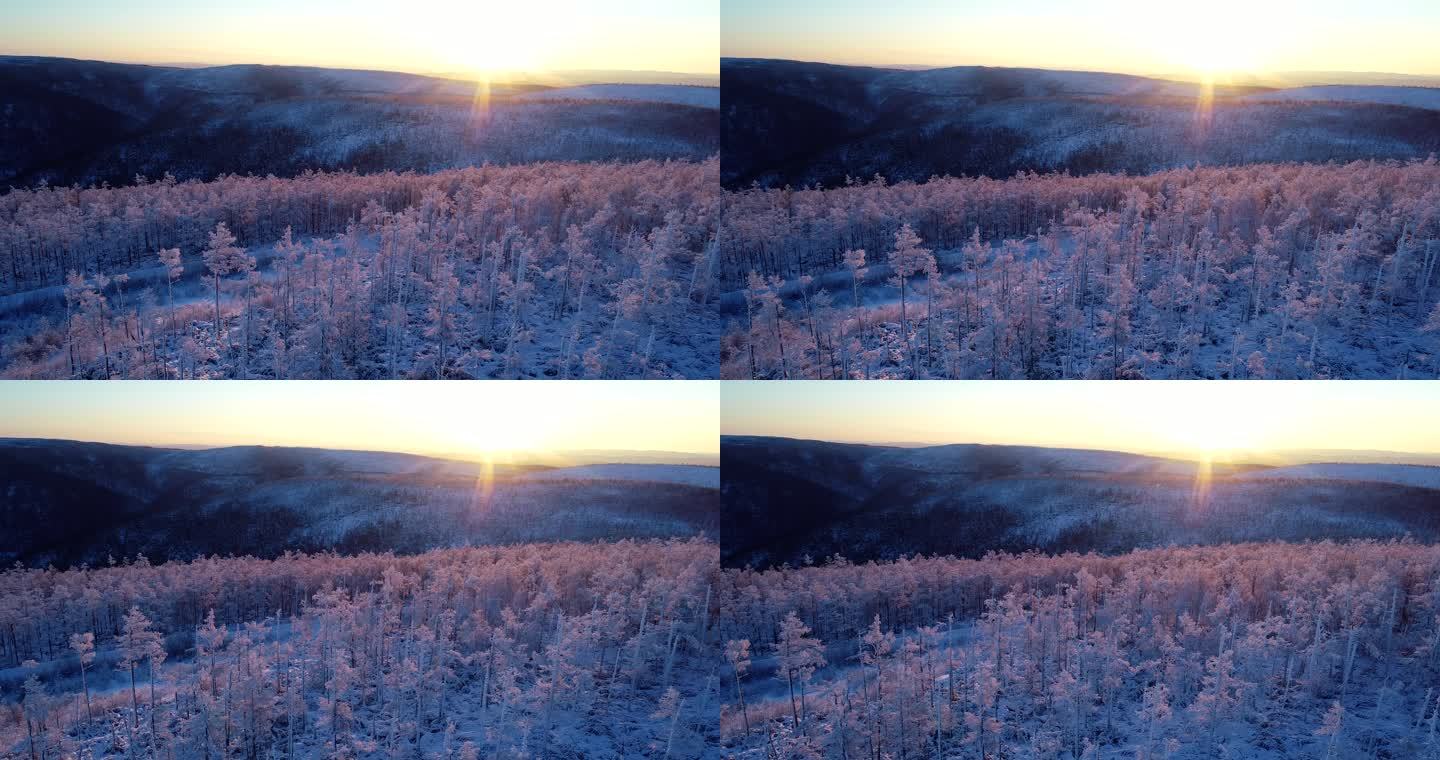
422, 36
1180, 417
1129, 36
445, 419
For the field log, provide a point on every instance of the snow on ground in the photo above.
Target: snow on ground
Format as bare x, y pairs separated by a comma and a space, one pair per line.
956, 457
1080, 460
764, 682
686, 474
685, 95
192, 286
241, 459
308, 80
1415, 97
1402, 474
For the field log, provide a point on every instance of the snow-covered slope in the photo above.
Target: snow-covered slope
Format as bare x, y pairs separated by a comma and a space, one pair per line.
244, 460
787, 499
89, 122
983, 459
687, 474
799, 124
1415, 97
68, 502
1400, 474
686, 95
1019, 82
295, 81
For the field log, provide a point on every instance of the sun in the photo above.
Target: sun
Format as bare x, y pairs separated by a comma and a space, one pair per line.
1214, 41
1212, 50
1212, 442
495, 54
1212, 434
490, 38
486, 439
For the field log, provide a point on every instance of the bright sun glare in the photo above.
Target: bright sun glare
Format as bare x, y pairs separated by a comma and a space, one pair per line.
1213, 40
1216, 54
1212, 433
490, 38
500, 436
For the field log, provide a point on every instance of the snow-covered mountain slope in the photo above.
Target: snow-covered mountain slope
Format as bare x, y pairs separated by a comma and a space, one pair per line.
693, 475
68, 121
978, 458
236, 460
800, 124
686, 95
68, 502
784, 500
296, 81
987, 81
1414, 97
1401, 474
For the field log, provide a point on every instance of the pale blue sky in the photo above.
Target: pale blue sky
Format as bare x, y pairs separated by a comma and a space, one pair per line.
416, 35
1138, 36
1157, 416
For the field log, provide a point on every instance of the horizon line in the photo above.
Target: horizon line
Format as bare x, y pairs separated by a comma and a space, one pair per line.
432, 73
1229, 455
450, 456
1173, 75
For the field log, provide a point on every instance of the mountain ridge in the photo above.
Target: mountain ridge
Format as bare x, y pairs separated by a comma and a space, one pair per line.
73, 502
801, 124
92, 122
784, 500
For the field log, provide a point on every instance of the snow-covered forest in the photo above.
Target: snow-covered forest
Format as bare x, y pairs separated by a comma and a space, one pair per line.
1318, 650
785, 500
806, 123
552, 270
601, 650
182, 504
89, 122
1264, 271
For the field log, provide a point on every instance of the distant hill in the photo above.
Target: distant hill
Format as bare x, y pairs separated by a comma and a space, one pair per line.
689, 95
1413, 97
69, 502
68, 121
800, 123
694, 475
1402, 474
785, 500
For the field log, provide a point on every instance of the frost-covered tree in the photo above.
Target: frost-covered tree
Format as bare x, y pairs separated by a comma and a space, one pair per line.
223, 257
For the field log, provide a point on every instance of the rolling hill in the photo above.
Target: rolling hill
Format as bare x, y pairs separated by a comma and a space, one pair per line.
785, 500
68, 502
1413, 97
69, 121
799, 124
